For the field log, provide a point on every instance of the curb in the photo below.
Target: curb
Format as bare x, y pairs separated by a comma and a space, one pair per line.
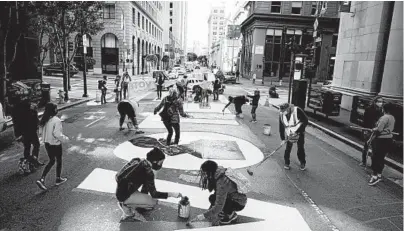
392, 163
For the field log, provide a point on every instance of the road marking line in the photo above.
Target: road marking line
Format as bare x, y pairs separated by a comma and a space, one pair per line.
95, 121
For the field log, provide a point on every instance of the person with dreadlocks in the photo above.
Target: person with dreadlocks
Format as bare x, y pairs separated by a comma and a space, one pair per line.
229, 193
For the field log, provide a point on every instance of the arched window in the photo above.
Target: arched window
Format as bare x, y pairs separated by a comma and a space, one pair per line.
109, 41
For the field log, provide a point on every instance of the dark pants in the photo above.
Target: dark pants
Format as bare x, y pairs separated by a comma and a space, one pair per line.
301, 155
125, 90
216, 94
380, 148
55, 154
230, 206
237, 106
118, 97
159, 89
170, 127
126, 109
28, 140
103, 95
253, 109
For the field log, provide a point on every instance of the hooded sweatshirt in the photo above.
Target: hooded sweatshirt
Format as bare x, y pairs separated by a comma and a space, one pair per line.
224, 188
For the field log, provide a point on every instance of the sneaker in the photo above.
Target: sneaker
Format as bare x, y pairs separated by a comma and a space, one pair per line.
127, 212
41, 184
60, 180
362, 164
302, 167
286, 166
254, 121
143, 210
139, 132
374, 180
227, 219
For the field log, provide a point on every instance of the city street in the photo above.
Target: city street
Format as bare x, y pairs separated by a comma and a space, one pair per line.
332, 194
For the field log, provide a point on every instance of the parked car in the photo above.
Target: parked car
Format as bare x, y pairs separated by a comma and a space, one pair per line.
192, 82
57, 68
230, 79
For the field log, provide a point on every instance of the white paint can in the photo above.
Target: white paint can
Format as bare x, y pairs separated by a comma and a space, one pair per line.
267, 129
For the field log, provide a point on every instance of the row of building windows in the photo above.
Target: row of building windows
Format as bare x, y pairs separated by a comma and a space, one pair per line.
276, 8
216, 11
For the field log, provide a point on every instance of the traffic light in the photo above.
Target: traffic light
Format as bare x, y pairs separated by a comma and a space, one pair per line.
70, 46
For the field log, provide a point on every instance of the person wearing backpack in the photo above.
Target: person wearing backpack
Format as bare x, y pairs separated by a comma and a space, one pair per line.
103, 90
140, 173
172, 109
229, 195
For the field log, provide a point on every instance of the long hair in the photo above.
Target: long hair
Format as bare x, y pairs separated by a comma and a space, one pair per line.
207, 175
50, 111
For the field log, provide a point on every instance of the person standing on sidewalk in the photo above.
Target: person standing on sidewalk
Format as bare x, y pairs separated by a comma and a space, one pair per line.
25, 121
125, 83
238, 75
216, 87
104, 90
118, 88
128, 108
173, 108
159, 83
254, 77
292, 123
383, 142
371, 116
52, 135
254, 103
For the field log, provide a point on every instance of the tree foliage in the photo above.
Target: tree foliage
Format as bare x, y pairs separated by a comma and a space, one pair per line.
191, 57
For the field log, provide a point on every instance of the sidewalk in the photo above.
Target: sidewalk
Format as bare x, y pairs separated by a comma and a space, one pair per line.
335, 126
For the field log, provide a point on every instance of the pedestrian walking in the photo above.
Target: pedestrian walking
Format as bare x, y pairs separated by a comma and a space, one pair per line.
229, 194
292, 125
238, 101
216, 87
128, 108
254, 77
170, 115
52, 136
25, 123
371, 116
118, 89
238, 75
254, 103
140, 173
103, 86
125, 83
206, 90
159, 83
382, 143
184, 82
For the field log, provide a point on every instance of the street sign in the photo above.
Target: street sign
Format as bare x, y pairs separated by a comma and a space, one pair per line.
85, 41
259, 50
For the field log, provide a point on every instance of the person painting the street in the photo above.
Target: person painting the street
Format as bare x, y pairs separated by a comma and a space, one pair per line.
254, 103
104, 90
52, 136
159, 83
216, 87
125, 83
382, 143
229, 193
371, 116
172, 109
25, 121
140, 173
238, 101
128, 108
292, 125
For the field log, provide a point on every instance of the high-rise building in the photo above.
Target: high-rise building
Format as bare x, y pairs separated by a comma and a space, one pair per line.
217, 25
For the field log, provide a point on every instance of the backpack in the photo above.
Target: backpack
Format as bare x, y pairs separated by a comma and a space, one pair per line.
100, 84
128, 171
243, 184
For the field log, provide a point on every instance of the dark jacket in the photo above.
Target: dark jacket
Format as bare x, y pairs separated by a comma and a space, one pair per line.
144, 177
240, 100
25, 119
371, 116
255, 99
175, 108
301, 116
224, 188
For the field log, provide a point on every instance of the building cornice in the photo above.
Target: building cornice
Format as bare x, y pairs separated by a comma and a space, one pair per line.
147, 14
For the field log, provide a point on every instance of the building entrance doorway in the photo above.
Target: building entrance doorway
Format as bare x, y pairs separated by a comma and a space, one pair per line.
109, 54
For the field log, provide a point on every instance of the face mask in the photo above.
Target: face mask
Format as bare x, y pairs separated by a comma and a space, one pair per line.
156, 166
379, 104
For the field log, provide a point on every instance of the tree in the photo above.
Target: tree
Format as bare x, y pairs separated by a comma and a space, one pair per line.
191, 57
64, 19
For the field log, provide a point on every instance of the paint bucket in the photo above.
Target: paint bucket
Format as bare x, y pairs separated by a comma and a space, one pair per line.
267, 129
184, 208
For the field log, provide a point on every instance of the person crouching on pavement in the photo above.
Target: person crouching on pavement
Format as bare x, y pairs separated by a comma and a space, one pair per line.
172, 109
292, 123
238, 101
382, 143
142, 172
128, 108
254, 103
226, 199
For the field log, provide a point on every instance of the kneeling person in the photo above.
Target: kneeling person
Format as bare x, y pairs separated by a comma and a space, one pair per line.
140, 172
128, 108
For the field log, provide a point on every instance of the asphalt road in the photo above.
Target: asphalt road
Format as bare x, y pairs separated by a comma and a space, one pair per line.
332, 194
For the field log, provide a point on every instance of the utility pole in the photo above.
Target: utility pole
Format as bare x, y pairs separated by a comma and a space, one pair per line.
282, 58
292, 65
84, 37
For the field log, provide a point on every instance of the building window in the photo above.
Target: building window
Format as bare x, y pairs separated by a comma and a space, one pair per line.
221, 23
133, 16
109, 11
222, 11
171, 21
296, 7
147, 25
214, 33
171, 5
150, 29
334, 40
138, 19
171, 13
276, 7
215, 11
142, 22
313, 8
171, 29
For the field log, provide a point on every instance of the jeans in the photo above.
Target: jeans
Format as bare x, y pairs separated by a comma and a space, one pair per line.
125, 90
28, 140
238, 108
125, 108
230, 206
253, 109
301, 155
170, 127
54, 153
159, 89
103, 95
216, 94
380, 148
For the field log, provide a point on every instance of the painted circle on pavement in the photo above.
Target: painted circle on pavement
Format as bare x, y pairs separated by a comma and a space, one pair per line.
195, 148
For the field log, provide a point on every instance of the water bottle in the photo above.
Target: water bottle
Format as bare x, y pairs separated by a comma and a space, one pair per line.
184, 208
